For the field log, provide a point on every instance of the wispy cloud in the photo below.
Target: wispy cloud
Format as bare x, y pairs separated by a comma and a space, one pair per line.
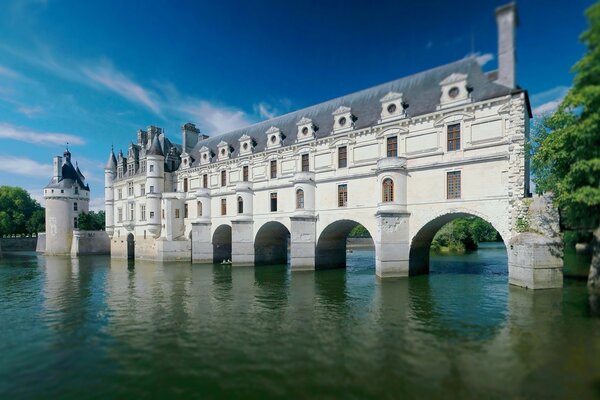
24, 166
30, 111
215, 118
96, 203
120, 84
5, 71
485, 58
548, 101
265, 110
22, 134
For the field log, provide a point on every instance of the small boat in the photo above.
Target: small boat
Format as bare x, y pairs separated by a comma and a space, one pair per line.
226, 262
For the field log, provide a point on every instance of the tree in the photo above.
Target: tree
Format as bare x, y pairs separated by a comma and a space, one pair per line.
19, 213
91, 221
566, 147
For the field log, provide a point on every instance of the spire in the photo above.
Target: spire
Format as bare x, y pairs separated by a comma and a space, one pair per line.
67, 154
112, 160
155, 149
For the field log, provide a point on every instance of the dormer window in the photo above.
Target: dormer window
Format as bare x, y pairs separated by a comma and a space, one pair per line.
246, 144
306, 129
275, 137
224, 150
204, 155
392, 107
343, 119
454, 90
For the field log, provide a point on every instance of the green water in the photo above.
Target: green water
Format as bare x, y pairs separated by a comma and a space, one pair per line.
96, 328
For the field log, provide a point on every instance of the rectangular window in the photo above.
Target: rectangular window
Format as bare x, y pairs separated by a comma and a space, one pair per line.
151, 214
143, 166
76, 190
75, 222
185, 184
392, 146
151, 168
205, 180
273, 169
342, 195
342, 157
185, 211
453, 184
75, 207
453, 137
199, 209
223, 178
129, 188
151, 189
120, 194
223, 206
273, 201
245, 173
143, 212
143, 190
131, 211
120, 215
305, 165
177, 213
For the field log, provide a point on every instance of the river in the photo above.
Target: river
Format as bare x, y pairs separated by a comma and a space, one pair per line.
98, 328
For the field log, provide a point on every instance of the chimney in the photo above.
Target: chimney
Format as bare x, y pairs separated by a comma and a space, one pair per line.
57, 166
190, 136
507, 21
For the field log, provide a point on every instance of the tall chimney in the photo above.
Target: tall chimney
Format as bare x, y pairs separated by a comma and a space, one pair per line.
57, 167
507, 21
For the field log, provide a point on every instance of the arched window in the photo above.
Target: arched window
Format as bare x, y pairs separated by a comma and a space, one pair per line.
299, 198
199, 209
388, 190
240, 205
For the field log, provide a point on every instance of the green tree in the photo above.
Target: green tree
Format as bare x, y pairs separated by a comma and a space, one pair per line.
566, 146
19, 213
91, 221
463, 234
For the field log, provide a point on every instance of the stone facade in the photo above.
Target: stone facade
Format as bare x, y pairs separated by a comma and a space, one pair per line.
401, 159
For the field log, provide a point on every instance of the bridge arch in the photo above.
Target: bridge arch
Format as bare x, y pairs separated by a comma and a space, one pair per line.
271, 244
331, 244
420, 243
221, 241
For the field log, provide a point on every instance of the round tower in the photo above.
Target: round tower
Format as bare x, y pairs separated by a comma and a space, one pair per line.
110, 171
66, 196
155, 164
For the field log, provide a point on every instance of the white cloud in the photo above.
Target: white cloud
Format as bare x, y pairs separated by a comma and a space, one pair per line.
483, 59
5, 71
24, 166
116, 81
548, 101
265, 110
8, 131
96, 203
30, 111
216, 118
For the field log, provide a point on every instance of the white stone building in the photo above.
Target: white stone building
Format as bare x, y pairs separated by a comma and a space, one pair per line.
402, 159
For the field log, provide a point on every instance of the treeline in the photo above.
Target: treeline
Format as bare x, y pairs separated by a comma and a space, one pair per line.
463, 234
19, 213
91, 221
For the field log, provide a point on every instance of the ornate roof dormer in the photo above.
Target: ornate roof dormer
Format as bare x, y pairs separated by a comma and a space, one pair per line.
205, 155
392, 107
454, 90
343, 120
274, 137
224, 150
246, 144
306, 129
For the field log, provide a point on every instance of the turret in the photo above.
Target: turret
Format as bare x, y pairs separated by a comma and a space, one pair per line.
110, 171
155, 164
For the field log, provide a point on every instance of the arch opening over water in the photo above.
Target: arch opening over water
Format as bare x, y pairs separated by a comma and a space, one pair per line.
335, 243
271, 244
222, 244
421, 243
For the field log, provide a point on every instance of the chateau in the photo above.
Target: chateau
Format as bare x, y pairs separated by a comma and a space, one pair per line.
402, 159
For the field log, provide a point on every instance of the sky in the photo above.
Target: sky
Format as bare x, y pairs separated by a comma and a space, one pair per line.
93, 73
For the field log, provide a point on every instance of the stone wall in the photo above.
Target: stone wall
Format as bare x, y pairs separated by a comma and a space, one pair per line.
90, 242
18, 244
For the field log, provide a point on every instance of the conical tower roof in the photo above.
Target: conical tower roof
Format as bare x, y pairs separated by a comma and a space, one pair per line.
155, 149
111, 164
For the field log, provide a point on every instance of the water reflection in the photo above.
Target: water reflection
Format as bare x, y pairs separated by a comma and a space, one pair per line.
95, 325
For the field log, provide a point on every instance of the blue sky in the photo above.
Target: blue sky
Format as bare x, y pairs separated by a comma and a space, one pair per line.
92, 73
